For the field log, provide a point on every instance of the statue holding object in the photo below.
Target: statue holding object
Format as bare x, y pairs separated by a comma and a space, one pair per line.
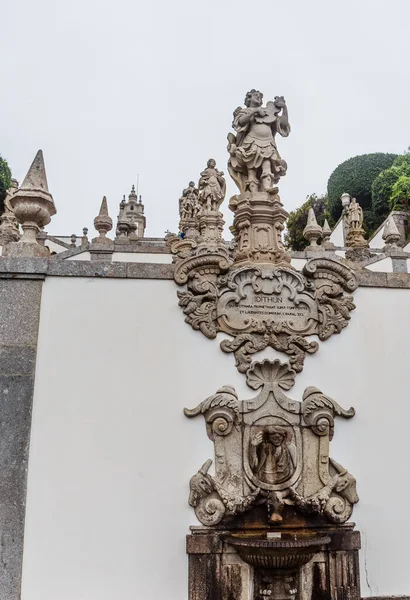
255, 163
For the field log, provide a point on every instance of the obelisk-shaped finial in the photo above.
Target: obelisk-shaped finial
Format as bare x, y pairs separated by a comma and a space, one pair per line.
391, 234
102, 247
313, 231
33, 206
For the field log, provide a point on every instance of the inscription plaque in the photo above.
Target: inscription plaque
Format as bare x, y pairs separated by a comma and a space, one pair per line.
256, 297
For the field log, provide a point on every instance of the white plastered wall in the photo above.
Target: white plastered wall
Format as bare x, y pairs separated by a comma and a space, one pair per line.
111, 452
337, 236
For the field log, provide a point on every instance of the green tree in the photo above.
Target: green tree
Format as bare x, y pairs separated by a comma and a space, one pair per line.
5, 181
355, 176
296, 223
384, 199
400, 197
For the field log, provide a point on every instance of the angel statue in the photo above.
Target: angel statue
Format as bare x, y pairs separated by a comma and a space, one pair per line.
255, 163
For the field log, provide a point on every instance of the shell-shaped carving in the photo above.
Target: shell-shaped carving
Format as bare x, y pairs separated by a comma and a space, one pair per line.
270, 372
211, 510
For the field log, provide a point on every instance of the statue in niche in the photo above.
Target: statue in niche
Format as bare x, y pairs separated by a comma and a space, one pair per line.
212, 187
255, 163
273, 455
272, 450
189, 206
354, 215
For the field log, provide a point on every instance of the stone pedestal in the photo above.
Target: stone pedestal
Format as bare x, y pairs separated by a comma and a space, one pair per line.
258, 225
216, 572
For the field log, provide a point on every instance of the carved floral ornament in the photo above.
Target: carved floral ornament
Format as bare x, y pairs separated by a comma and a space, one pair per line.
263, 305
271, 450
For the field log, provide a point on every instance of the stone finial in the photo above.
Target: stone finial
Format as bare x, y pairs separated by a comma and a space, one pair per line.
84, 238
313, 231
391, 234
103, 223
326, 233
102, 248
33, 206
73, 240
133, 196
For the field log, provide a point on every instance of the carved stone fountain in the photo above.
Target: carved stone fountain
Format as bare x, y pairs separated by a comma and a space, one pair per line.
275, 513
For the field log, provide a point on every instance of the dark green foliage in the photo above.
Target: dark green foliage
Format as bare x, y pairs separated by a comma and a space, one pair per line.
355, 176
387, 193
5, 181
296, 223
400, 198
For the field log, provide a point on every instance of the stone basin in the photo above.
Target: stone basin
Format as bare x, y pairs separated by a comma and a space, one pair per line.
290, 551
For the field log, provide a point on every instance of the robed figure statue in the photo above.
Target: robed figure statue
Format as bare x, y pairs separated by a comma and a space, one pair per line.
255, 163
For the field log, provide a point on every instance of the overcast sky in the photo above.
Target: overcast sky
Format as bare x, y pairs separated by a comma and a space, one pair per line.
109, 89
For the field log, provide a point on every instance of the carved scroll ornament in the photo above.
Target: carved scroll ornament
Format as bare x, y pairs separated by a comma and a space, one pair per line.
271, 450
262, 306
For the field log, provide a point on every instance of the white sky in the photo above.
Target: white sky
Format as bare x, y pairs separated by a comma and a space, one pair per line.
109, 89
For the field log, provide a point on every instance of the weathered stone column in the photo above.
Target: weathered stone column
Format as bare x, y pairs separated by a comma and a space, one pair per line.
19, 321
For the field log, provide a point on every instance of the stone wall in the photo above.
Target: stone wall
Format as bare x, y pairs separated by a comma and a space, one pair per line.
111, 452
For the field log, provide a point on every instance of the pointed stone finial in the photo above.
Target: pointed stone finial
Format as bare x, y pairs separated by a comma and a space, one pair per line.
103, 223
33, 206
391, 234
102, 247
133, 196
326, 233
36, 178
313, 231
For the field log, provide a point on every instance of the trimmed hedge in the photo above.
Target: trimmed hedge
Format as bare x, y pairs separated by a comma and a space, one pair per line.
387, 193
355, 176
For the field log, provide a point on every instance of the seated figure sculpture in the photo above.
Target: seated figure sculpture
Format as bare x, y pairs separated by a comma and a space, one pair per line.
255, 163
